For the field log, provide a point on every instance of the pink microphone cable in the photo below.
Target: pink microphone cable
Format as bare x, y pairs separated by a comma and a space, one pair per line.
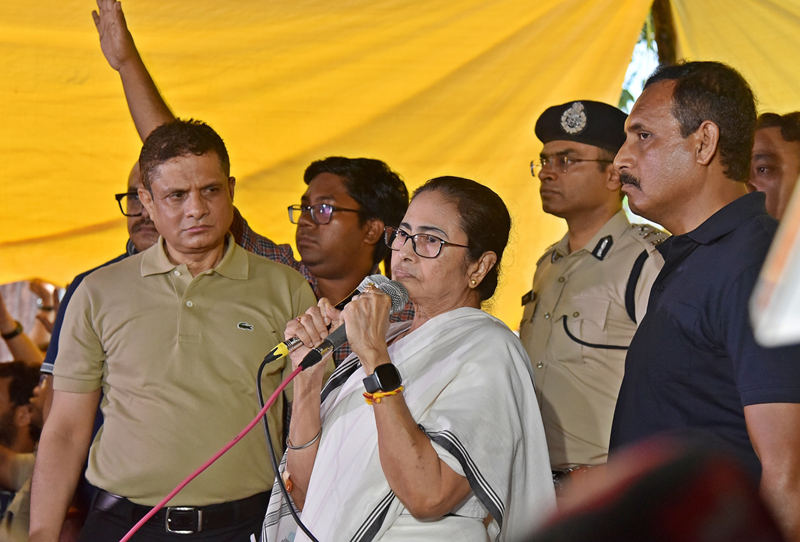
216, 456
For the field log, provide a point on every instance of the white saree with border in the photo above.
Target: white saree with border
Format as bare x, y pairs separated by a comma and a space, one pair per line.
468, 385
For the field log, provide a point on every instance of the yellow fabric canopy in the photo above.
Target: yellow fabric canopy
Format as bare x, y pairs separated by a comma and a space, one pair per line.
759, 38
432, 88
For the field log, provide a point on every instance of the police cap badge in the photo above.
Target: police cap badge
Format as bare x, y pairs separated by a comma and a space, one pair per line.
585, 121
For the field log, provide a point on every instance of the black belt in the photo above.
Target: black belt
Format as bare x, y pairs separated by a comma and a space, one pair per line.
185, 519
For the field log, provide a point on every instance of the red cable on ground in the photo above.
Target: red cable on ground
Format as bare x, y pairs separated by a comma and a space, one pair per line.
216, 456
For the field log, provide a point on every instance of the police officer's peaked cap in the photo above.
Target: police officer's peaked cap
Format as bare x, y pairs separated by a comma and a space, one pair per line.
585, 121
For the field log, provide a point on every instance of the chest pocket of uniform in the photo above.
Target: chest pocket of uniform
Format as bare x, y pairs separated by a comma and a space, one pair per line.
583, 322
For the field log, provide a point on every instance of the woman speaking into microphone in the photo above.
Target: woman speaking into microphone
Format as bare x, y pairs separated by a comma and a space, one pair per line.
430, 430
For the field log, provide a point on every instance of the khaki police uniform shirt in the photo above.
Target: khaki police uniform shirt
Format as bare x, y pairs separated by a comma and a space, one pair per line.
177, 358
577, 385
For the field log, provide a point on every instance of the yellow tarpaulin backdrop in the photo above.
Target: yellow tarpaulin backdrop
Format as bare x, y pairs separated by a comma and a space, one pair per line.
760, 38
432, 88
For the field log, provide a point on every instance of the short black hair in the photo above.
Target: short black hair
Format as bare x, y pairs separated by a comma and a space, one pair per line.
484, 218
24, 378
714, 91
379, 191
788, 123
180, 138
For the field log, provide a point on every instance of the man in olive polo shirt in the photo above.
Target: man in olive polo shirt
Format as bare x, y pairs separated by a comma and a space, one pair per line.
174, 337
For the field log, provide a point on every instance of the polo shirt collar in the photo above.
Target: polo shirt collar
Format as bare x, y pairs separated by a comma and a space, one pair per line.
234, 264
729, 218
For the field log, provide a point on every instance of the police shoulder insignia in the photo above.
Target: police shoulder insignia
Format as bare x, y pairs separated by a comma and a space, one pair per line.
649, 234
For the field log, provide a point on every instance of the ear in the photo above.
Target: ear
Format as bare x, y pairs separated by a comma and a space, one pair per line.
231, 185
374, 231
612, 179
478, 269
706, 142
147, 200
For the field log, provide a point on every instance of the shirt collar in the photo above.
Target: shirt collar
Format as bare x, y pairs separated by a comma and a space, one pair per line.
729, 218
234, 264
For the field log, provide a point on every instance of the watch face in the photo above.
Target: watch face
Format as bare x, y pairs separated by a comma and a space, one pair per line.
388, 377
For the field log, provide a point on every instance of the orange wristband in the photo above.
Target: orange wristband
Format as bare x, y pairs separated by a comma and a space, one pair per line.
376, 397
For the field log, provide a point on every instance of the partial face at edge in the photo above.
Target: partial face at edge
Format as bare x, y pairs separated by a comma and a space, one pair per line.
775, 169
141, 229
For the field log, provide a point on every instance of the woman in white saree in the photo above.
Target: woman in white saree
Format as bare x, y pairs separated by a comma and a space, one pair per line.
447, 443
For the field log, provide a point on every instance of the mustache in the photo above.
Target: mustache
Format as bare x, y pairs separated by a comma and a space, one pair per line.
142, 223
627, 178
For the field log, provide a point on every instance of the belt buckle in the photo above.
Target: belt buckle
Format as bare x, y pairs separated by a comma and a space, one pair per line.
171, 509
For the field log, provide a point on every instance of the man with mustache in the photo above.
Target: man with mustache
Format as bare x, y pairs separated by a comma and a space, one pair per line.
694, 368
590, 289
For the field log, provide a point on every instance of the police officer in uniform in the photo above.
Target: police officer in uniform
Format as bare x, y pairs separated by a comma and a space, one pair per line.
590, 288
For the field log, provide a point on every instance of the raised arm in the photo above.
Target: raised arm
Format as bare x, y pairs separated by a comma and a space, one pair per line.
62, 451
148, 109
20, 345
774, 430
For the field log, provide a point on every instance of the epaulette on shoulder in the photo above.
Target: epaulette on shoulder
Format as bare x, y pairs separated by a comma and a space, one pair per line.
648, 235
547, 251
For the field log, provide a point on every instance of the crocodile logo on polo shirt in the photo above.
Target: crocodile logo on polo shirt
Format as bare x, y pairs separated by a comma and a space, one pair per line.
245, 326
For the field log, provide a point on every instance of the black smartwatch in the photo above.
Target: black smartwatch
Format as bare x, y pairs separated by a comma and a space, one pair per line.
385, 378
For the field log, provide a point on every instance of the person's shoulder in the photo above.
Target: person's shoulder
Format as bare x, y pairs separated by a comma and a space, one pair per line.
111, 270
262, 266
547, 252
101, 266
646, 236
481, 327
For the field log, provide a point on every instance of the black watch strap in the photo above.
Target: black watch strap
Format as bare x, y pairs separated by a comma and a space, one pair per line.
385, 378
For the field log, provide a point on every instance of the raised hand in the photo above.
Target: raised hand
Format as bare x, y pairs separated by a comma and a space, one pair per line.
367, 319
312, 328
115, 39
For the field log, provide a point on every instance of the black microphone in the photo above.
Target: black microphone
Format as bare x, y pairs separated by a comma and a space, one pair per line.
290, 345
396, 291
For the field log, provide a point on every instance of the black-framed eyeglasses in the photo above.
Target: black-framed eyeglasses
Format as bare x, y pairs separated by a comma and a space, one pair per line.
321, 213
129, 203
560, 163
425, 245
